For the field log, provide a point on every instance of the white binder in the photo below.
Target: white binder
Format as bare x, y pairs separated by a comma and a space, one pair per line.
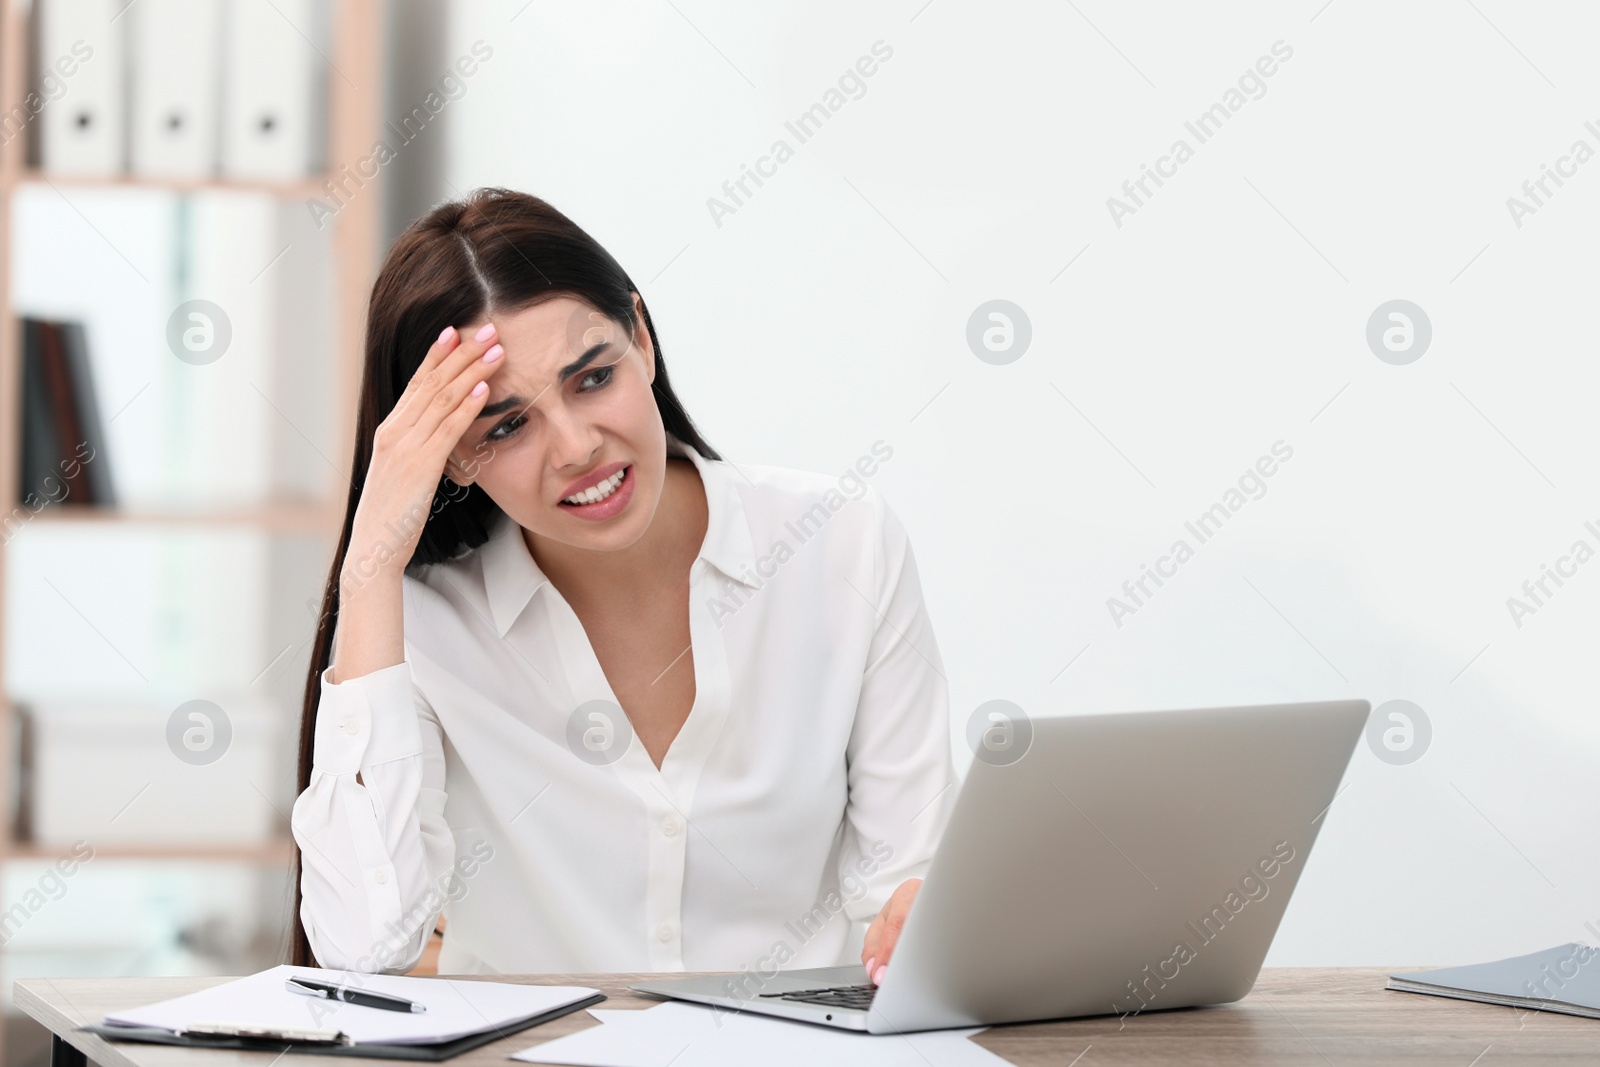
273, 125
174, 50
83, 119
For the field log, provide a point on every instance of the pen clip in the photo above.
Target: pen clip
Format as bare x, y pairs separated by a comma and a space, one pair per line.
295, 986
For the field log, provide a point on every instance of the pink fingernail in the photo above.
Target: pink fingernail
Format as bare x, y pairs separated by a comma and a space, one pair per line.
485, 332
446, 333
494, 353
877, 976
480, 388
870, 961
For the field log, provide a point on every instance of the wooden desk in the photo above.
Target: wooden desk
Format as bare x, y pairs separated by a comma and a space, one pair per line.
1315, 1017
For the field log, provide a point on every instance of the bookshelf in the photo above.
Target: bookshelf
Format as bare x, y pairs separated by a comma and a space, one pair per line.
270, 854
288, 517
353, 100
301, 189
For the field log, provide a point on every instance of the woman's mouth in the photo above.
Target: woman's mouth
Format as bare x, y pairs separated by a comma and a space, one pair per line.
604, 500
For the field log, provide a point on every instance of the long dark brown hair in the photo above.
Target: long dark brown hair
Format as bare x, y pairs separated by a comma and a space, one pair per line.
494, 251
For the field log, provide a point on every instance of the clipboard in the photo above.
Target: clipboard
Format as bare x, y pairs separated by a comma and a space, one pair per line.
432, 1053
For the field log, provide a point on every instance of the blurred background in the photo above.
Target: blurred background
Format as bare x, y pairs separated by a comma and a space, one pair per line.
1298, 287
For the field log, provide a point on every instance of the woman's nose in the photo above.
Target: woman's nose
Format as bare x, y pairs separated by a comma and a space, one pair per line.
572, 440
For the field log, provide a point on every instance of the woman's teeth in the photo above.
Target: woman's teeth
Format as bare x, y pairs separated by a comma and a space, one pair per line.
596, 493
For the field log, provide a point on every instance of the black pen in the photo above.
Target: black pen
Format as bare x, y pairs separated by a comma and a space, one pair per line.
351, 996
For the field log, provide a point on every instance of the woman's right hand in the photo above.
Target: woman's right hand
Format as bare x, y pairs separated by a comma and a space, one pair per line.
411, 446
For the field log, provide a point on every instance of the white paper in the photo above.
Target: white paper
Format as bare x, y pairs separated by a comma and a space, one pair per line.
455, 1008
694, 1035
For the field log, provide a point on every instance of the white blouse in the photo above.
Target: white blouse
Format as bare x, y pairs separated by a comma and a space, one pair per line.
501, 785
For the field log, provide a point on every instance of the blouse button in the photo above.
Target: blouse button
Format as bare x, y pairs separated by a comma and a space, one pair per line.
348, 725
665, 930
669, 826
381, 875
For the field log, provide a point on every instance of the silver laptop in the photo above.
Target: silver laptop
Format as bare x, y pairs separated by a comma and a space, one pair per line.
1120, 863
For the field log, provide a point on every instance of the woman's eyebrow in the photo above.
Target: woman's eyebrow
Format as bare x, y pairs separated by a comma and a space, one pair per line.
501, 406
582, 361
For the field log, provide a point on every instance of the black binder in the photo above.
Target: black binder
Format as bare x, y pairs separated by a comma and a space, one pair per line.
441, 1050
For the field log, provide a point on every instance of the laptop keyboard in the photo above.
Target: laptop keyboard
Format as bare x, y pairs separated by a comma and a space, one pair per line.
858, 997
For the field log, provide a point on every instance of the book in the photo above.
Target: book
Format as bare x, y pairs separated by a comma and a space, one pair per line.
39, 483
90, 448
63, 438
1563, 979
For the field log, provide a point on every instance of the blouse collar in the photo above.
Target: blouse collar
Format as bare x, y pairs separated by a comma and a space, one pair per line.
511, 577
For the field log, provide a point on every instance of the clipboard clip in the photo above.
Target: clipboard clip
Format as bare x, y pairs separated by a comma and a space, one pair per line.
306, 1035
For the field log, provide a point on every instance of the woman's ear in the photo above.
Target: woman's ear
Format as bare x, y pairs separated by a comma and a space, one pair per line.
642, 333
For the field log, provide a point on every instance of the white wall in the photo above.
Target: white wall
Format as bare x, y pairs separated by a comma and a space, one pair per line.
1228, 313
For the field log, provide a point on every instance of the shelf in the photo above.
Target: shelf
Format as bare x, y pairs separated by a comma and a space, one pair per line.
353, 110
266, 854
304, 188
278, 518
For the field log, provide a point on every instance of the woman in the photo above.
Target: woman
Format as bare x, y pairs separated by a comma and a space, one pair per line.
619, 704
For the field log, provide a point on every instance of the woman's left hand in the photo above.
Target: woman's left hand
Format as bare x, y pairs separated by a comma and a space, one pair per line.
885, 929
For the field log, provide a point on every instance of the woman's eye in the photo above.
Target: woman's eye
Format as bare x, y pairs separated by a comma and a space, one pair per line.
603, 373
506, 429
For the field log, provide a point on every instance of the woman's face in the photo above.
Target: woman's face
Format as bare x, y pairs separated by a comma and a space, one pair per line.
571, 407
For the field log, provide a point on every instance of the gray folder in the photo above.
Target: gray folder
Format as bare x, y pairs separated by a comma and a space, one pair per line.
1564, 979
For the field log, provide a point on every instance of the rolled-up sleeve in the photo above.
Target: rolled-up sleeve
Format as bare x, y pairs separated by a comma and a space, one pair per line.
901, 776
375, 855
